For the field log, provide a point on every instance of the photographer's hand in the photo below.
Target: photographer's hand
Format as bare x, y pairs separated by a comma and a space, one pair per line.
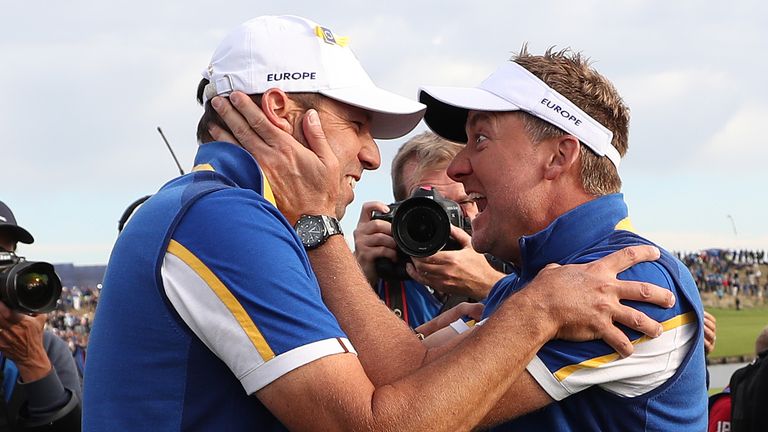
373, 239
21, 340
294, 170
463, 271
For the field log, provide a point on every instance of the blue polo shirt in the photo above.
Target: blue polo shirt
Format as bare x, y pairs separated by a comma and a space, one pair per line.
661, 387
208, 297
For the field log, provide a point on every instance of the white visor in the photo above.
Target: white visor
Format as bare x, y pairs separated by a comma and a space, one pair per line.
513, 88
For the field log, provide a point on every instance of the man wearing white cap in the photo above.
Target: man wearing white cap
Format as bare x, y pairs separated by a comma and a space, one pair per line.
545, 135
209, 298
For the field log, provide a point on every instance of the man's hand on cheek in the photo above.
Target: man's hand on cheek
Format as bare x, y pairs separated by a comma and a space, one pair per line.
304, 178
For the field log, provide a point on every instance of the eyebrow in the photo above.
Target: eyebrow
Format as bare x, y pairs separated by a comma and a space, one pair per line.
477, 117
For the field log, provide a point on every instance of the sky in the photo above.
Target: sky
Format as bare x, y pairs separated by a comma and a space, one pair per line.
86, 84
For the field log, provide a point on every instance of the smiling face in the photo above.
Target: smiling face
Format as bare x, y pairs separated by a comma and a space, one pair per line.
501, 165
348, 131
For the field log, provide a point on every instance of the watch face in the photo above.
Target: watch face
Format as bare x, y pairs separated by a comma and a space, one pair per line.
310, 230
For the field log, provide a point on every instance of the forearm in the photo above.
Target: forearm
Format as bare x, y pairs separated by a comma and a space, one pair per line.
456, 390
452, 393
386, 347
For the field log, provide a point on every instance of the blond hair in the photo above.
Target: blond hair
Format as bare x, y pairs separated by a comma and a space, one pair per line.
428, 151
571, 75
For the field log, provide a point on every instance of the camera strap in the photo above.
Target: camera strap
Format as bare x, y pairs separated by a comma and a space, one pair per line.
394, 297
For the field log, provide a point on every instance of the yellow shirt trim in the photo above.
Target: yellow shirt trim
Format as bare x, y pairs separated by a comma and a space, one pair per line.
226, 297
669, 324
625, 225
267, 190
203, 167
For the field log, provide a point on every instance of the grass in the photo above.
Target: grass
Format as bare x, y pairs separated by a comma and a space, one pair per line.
737, 330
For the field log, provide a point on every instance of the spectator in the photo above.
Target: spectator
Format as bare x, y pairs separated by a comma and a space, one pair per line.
40, 386
442, 280
752, 382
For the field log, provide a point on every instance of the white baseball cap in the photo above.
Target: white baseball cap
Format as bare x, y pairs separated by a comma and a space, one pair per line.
295, 54
513, 88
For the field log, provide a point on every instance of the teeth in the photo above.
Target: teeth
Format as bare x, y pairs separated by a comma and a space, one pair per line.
475, 196
352, 182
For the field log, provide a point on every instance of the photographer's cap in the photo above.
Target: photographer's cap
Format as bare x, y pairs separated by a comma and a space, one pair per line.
513, 88
297, 55
8, 225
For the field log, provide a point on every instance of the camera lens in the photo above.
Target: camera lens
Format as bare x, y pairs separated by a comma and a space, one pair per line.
421, 227
30, 287
34, 290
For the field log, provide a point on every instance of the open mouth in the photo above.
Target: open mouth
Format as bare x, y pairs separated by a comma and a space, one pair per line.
479, 200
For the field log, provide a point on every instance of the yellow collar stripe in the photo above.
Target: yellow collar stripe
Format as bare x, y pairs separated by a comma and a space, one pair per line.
596, 362
203, 167
625, 225
226, 297
267, 190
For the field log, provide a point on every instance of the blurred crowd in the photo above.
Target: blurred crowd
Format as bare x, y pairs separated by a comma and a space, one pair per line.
73, 318
724, 272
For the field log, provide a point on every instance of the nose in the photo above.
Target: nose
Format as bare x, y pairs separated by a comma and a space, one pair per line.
369, 155
459, 167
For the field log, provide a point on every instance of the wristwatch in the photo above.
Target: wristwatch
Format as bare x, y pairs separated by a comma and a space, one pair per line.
314, 230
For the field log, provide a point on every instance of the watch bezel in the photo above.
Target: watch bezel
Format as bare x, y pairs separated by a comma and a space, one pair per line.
327, 225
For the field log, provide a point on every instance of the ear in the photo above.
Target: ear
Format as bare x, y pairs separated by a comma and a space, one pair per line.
279, 109
565, 154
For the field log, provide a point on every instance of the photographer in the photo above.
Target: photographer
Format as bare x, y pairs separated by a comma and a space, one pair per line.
40, 385
436, 282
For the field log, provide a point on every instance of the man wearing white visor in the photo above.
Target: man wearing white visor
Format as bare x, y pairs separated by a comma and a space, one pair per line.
211, 317
544, 136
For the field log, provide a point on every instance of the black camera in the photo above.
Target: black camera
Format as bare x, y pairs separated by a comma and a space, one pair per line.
421, 226
28, 286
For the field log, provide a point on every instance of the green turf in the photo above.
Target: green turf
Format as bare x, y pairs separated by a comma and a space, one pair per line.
737, 330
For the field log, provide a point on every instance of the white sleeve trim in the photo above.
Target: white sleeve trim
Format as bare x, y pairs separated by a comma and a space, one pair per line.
256, 379
654, 361
459, 326
546, 380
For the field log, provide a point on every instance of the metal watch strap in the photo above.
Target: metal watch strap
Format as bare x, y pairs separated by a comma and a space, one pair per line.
332, 225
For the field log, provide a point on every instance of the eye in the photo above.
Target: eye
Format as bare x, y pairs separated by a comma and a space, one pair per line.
358, 125
480, 138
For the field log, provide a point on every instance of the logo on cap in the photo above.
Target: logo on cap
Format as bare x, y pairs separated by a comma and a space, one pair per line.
328, 37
